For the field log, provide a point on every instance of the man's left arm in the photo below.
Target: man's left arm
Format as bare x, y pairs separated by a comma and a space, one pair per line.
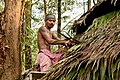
54, 36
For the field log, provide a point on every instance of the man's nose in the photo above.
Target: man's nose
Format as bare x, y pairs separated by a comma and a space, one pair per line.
52, 22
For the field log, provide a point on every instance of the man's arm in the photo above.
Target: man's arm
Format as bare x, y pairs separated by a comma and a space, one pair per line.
54, 36
48, 37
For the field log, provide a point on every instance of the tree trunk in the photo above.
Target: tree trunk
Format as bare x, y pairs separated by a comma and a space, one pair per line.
59, 19
84, 6
45, 8
10, 57
89, 4
28, 54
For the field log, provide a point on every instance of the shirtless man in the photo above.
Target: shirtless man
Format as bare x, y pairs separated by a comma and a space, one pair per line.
46, 38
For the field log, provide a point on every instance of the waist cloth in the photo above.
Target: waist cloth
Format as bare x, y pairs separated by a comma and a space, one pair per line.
45, 59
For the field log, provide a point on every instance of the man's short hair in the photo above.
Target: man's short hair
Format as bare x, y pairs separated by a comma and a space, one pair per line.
50, 16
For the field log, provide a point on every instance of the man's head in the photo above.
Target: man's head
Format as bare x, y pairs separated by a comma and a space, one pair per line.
50, 16
50, 20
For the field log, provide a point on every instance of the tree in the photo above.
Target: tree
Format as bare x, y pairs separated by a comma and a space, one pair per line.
10, 57
84, 6
59, 19
45, 7
27, 24
89, 4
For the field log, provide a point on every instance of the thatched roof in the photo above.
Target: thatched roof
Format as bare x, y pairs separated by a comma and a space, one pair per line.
99, 57
98, 10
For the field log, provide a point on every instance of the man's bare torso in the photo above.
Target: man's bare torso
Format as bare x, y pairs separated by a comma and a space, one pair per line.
42, 43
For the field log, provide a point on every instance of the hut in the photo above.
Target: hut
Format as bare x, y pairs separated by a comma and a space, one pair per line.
98, 57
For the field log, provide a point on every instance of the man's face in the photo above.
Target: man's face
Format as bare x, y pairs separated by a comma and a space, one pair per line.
50, 23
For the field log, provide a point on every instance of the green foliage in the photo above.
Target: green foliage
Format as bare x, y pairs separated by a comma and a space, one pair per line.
30, 39
65, 17
35, 19
104, 20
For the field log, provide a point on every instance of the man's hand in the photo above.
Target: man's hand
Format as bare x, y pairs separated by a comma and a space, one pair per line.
69, 43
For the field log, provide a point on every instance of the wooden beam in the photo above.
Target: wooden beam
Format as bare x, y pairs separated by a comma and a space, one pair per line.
36, 75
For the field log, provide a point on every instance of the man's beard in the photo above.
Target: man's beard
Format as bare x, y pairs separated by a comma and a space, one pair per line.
51, 25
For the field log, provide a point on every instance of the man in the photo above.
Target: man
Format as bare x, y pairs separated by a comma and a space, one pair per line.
46, 38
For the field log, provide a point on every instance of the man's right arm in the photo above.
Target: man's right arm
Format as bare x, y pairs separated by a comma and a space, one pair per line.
49, 39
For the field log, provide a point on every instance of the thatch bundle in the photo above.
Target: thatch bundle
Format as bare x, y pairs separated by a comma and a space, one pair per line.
97, 58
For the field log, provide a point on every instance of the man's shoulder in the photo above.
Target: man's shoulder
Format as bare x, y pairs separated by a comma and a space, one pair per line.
42, 28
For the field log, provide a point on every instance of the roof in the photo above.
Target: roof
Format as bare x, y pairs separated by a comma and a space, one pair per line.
100, 9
